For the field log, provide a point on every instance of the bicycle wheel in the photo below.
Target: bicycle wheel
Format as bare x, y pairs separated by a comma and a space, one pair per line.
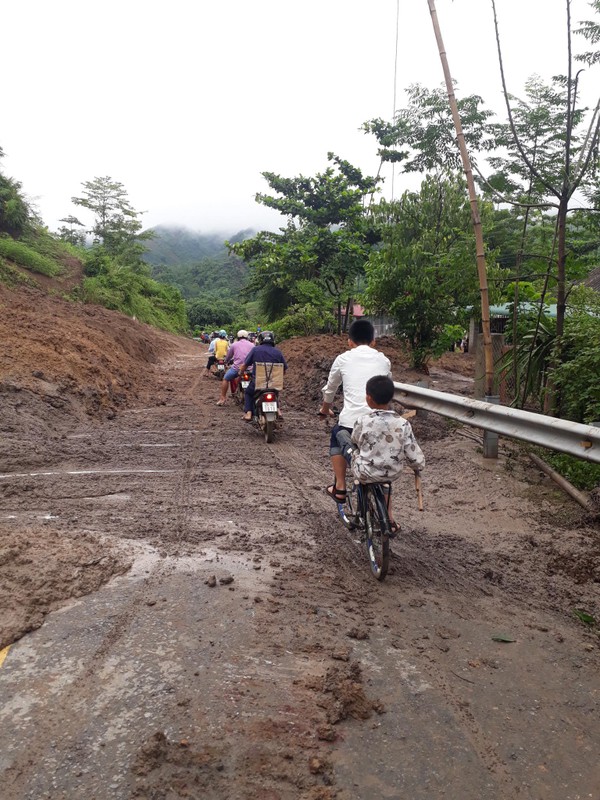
377, 530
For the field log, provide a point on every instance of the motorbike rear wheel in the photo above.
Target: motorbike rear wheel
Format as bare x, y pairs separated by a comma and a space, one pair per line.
269, 427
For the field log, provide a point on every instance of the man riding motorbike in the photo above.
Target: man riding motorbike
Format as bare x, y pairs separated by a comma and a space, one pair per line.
236, 354
264, 352
219, 350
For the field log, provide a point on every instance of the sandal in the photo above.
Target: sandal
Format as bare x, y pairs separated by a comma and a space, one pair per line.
339, 495
220, 402
394, 528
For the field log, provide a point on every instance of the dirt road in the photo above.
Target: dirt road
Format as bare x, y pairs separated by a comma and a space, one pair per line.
248, 653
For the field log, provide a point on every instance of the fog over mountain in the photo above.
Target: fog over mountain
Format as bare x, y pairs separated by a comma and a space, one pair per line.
178, 245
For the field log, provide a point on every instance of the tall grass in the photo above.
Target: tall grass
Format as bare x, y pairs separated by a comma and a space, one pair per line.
27, 257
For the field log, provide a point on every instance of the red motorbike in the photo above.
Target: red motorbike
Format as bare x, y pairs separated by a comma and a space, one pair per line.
238, 387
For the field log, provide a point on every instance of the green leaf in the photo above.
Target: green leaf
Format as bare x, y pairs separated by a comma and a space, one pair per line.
586, 618
499, 637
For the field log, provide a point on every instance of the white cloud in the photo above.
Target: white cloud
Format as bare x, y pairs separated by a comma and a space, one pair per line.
187, 103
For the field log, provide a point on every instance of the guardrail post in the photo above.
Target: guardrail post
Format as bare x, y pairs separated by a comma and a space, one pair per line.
490, 439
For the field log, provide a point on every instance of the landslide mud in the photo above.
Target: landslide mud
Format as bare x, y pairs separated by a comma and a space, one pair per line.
250, 653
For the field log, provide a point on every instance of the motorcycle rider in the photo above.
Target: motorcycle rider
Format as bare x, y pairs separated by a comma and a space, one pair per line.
219, 350
236, 354
265, 351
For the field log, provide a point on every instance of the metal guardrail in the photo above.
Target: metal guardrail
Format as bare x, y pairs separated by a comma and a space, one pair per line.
574, 438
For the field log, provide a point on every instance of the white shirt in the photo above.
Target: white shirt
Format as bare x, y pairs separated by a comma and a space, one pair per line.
352, 370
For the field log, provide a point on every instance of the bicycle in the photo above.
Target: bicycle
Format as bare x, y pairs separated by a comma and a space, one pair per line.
366, 509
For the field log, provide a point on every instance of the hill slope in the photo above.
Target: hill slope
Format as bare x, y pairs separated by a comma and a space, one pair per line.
173, 246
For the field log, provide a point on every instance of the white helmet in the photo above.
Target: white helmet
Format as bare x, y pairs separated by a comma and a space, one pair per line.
242, 334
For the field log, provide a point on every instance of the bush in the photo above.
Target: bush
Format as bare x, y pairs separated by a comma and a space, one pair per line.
582, 474
27, 257
15, 214
577, 377
137, 296
303, 320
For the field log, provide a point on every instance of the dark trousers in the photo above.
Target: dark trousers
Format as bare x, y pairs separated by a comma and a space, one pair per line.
249, 397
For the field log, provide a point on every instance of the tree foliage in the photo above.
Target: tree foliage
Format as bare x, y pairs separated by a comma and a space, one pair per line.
210, 312
116, 225
421, 137
16, 215
326, 239
423, 274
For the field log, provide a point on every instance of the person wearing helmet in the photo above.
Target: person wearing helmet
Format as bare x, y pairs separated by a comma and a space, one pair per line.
236, 355
217, 349
264, 351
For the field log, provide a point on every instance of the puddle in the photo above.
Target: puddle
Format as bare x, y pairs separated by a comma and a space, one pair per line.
86, 472
167, 431
146, 559
170, 444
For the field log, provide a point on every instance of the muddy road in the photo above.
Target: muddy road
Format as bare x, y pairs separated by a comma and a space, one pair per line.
210, 630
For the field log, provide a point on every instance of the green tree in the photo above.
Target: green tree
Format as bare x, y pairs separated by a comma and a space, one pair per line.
423, 274
211, 312
72, 231
421, 136
326, 240
15, 212
117, 226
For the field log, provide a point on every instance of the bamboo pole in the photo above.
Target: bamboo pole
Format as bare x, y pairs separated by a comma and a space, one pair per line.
477, 228
419, 491
564, 484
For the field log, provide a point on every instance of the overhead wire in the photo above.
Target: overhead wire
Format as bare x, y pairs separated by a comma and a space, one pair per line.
395, 84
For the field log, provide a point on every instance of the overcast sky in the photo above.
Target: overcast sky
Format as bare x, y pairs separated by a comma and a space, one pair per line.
186, 103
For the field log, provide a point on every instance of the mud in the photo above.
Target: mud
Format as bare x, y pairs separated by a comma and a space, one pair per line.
248, 652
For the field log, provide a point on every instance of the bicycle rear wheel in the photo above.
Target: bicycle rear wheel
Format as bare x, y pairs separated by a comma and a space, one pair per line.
377, 530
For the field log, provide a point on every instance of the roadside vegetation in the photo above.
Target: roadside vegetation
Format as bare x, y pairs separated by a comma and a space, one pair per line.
110, 250
410, 259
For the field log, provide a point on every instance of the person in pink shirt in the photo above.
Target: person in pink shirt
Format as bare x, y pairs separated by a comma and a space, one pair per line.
236, 355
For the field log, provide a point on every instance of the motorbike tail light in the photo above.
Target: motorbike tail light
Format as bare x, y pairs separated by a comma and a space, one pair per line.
269, 397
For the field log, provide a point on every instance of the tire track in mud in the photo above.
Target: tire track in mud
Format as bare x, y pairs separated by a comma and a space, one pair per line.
305, 475
191, 460
308, 479
314, 585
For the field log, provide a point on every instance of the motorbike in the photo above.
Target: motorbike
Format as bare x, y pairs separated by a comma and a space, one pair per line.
237, 387
266, 410
220, 368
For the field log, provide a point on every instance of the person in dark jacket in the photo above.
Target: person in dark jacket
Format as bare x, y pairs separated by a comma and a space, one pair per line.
264, 352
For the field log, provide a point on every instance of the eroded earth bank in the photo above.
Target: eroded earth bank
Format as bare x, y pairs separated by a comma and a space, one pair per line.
187, 618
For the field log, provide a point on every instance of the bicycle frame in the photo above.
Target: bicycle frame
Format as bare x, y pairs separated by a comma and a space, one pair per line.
366, 510
368, 513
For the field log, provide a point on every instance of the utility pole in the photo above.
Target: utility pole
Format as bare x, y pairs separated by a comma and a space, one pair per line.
490, 440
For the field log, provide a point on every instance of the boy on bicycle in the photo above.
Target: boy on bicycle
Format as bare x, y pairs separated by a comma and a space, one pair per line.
381, 441
384, 439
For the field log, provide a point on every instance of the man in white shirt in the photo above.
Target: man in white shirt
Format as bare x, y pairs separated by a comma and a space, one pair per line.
351, 370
